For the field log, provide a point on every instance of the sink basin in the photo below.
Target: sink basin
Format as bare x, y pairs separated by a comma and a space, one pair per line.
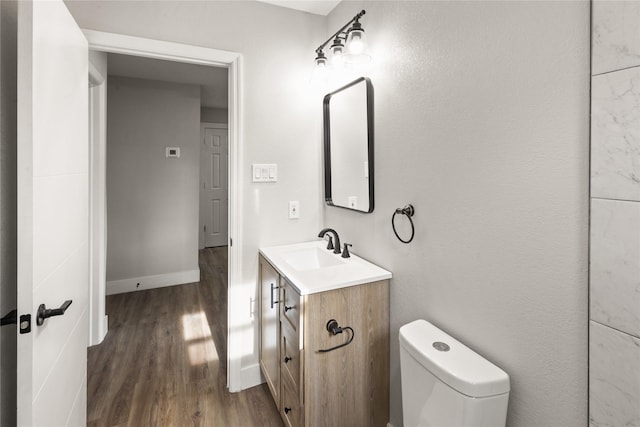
304, 259
310, 268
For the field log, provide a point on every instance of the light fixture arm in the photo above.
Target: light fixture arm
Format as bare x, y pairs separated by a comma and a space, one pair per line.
340, 31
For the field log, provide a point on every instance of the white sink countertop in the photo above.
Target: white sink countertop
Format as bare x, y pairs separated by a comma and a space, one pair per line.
312, 268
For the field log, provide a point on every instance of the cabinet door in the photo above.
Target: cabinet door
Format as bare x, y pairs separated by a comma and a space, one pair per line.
290, 305
270, 328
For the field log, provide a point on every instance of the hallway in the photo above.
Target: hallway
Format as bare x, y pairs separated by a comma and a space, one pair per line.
163, 362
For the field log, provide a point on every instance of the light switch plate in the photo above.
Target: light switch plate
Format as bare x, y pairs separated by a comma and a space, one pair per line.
263, 172
294, 209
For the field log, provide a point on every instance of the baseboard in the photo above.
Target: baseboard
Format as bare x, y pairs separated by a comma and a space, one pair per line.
152, 282
250, 376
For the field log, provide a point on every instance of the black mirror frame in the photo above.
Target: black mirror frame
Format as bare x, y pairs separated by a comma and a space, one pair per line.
327, 143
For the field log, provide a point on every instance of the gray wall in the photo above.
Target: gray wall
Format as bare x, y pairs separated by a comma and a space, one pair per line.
483, 107
214, 115
614, 368
281, 123
482, 123
8, 135
152, 201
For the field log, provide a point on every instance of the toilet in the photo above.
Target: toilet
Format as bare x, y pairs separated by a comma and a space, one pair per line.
446, 384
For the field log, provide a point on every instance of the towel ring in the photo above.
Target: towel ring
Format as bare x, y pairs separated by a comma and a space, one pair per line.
408, 211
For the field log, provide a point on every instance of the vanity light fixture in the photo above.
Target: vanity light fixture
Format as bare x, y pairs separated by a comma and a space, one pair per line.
348, 45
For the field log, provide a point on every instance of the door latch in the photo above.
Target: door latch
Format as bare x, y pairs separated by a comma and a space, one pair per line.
25, 323
11, 318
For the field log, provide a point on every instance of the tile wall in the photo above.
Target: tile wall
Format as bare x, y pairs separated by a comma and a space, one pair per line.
614, 343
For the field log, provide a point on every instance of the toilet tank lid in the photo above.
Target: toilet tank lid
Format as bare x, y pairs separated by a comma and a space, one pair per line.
460, 367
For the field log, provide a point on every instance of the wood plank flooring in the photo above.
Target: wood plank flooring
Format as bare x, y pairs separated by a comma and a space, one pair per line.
163, 362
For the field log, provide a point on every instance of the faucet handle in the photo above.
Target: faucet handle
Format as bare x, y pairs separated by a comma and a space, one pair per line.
330, 244
345, 251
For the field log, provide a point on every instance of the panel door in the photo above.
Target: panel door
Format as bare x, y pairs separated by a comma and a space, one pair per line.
52, 220
215, 192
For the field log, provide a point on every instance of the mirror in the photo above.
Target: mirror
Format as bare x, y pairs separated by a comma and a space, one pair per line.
348, 146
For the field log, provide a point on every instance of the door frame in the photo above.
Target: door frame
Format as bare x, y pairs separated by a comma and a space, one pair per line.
201, 237
98, 323
157, 49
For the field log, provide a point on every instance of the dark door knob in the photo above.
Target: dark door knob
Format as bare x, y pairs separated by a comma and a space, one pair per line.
45, 313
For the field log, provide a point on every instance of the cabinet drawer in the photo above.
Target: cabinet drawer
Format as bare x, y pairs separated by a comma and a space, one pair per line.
292, 411
290, 305
290, 354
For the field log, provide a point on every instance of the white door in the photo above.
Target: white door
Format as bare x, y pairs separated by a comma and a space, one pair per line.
52, 214
214, 196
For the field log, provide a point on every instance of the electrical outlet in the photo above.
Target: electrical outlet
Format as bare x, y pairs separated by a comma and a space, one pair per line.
294, 210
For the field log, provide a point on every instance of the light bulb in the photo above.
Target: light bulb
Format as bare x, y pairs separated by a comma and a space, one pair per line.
356, 46
337, 60
337, 48
321, 60
337, 51
355, 43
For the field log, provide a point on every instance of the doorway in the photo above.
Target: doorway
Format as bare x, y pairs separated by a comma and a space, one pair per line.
115, 43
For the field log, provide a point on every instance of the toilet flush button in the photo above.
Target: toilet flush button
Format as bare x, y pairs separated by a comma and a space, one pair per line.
440, 346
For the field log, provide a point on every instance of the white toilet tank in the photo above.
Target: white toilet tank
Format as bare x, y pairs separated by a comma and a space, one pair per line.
446, 384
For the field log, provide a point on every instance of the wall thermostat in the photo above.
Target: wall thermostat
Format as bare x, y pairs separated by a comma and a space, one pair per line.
173, 151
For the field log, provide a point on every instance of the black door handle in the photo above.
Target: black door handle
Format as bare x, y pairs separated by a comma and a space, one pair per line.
44, 312
11, 318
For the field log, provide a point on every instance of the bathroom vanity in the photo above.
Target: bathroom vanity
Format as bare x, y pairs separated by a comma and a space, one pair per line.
302, 288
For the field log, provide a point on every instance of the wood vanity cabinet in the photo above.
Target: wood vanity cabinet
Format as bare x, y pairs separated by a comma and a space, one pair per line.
348, 386
270, 328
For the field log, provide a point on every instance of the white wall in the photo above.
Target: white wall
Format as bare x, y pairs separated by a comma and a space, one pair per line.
8, 99
281, 123
482, 123
153, 203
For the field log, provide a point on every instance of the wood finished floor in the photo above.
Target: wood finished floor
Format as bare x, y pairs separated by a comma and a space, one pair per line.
163, 362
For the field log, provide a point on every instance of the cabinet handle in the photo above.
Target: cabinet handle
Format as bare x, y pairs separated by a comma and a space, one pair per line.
286, 359
287, 410
273, 287
287, 308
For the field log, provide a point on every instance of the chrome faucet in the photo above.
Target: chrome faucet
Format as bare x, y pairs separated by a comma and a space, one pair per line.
336, 248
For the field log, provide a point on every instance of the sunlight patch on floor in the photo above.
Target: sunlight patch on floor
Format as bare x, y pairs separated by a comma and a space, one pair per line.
197, 335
